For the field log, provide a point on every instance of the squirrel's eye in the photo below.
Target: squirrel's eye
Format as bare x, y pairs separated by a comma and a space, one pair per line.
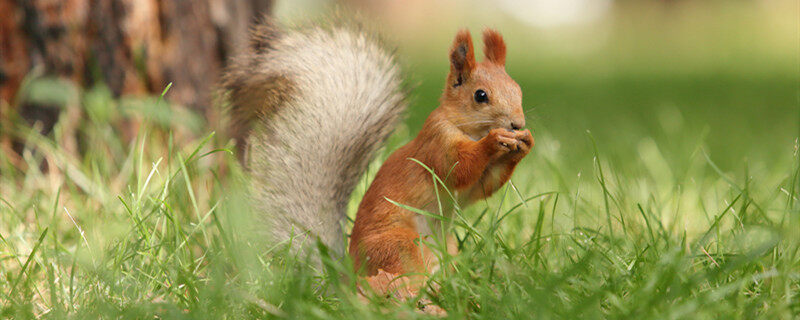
481, 96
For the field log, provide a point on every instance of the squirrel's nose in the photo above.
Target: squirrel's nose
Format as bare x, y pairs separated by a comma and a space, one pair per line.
516, 125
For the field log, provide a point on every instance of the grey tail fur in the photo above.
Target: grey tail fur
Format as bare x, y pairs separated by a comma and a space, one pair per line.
309, 109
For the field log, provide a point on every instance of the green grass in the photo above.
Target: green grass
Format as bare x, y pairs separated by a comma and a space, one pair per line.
155, 227
664, 184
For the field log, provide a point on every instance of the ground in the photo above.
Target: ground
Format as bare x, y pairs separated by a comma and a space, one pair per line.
666, 188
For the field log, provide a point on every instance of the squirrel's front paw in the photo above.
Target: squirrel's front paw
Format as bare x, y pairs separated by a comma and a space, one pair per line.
501, 141
524, 142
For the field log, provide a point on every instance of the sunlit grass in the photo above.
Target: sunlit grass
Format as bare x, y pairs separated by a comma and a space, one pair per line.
156, 225
664, 184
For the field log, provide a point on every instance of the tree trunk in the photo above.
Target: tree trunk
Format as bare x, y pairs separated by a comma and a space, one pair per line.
133, 46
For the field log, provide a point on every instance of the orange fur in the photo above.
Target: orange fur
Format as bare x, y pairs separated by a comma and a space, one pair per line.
462, 57
494, 47
473, 146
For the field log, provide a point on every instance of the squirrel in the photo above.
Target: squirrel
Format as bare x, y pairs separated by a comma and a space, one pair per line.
311, 106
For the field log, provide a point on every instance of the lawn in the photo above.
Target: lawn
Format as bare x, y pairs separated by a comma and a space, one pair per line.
650, 194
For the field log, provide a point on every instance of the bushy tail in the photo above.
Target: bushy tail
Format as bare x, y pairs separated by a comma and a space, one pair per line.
310, 107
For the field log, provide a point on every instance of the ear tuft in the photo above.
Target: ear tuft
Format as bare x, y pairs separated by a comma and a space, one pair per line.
462, 58
494, 47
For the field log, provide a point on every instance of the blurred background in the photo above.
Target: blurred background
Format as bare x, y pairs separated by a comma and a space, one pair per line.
669, 76
663, 184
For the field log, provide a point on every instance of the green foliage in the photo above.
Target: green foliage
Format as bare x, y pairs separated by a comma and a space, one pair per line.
664, 184
159, 227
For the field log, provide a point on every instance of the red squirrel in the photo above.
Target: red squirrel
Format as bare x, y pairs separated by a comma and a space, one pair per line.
311, 106
473, 141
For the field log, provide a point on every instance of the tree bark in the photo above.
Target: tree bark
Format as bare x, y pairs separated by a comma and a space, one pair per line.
133, 46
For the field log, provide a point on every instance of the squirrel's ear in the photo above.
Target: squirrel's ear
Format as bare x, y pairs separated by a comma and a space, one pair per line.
494, 47
462, 58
